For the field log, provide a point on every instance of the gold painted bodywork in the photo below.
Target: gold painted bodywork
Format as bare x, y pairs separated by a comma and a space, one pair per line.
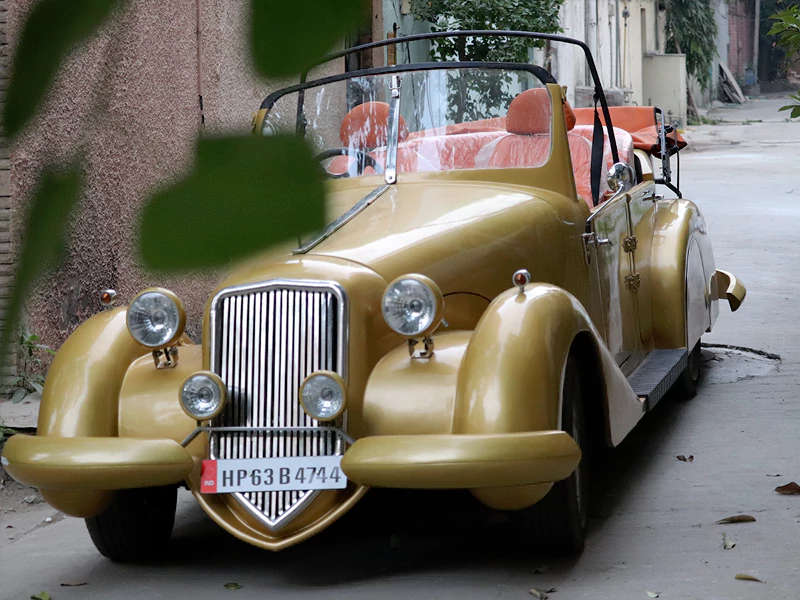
483, 413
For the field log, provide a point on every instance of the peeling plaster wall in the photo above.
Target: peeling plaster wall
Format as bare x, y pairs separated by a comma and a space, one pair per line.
128, 99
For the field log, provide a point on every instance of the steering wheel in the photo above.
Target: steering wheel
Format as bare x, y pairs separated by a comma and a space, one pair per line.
363, 160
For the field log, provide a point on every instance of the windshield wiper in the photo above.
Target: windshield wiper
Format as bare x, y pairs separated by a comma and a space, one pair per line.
390, 172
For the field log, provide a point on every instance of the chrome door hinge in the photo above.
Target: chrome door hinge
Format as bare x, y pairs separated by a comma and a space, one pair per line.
632, 282
590, 241
630, 243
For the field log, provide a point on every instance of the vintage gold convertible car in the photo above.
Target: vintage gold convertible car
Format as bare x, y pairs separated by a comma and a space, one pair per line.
483, 307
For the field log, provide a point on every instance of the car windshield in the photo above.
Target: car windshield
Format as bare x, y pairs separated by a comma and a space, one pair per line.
449, 119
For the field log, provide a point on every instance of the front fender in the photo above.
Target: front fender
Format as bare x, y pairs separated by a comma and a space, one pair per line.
83, 384
512, 372
80, 396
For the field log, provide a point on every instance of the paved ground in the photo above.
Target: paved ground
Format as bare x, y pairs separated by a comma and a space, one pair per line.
652, 515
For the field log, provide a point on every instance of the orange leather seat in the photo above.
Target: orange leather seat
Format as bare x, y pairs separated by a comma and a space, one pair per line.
639, 121
528, 142
624, 141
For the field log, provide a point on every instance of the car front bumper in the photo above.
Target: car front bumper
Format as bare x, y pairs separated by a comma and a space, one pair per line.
453, 461
95, 463
446, 461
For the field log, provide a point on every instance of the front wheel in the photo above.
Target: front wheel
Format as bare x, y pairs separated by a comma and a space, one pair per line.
558, 522
137, 526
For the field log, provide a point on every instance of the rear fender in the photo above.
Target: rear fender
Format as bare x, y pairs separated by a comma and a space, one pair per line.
684, 286
80, 396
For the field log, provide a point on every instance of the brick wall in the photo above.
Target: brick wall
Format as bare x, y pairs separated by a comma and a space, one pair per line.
740, 28
6, 256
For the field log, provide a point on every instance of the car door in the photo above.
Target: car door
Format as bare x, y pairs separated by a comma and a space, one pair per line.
642, 210
607, 233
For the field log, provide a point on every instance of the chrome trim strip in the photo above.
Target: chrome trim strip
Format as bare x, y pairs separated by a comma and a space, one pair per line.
342, 220
200, 429
390, 172
257, 378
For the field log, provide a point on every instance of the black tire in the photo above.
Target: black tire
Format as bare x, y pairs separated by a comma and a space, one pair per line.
686, 385
558, 523
137, 526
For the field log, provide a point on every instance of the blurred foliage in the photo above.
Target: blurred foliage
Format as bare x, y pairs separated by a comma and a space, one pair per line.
490, 99
291, 37
52, 29
787, 28
244, 194
43, 244
203, 217
692, 30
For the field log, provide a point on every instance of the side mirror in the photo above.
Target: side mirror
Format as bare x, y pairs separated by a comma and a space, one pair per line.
620, 177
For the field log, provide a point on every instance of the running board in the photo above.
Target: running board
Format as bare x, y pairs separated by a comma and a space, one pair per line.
657, 373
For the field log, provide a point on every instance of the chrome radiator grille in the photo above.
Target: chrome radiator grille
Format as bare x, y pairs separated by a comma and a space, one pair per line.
265, 340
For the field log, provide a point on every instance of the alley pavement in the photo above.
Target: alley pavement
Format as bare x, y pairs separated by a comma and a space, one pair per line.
652, 516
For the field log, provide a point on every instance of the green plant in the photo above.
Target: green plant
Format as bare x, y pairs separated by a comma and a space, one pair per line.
29, 378
447, 15
692, 30
787, 28
5, 433
287, 38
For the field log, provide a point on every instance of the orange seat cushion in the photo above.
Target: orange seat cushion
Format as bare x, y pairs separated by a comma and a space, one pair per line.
639, 121
367, 126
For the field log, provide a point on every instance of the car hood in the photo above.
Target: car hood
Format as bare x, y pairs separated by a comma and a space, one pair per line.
464, 235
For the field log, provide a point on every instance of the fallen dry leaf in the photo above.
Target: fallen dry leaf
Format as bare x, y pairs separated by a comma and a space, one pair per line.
74, 584
652, 594
773, 474
746, 577
683, 458
232, 586
788, 489
541, 594
736, 519
541, 570
726, 543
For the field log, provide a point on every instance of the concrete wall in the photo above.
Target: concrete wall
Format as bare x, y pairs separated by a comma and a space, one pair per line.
6, 254
740, 29
129, 99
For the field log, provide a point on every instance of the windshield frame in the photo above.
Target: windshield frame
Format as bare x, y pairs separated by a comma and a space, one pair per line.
599, 94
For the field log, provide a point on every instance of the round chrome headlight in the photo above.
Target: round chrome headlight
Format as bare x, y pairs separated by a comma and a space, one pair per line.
203, 396
412, 305
322, 395
156, 318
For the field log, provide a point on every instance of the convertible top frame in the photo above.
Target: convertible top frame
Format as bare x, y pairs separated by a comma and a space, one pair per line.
599, 95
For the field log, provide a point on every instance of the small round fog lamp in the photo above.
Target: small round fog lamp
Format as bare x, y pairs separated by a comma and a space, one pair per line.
203, 396
322, 395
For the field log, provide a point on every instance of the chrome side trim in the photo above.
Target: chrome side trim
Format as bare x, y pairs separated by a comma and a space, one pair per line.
343, 220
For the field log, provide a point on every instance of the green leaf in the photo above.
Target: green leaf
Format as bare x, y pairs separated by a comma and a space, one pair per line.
37, 387
51, 30
41, 596
796, 112
246, 194
19, 395
43, 242
291, 37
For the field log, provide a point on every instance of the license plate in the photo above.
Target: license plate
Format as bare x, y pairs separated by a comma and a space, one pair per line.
272, 474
